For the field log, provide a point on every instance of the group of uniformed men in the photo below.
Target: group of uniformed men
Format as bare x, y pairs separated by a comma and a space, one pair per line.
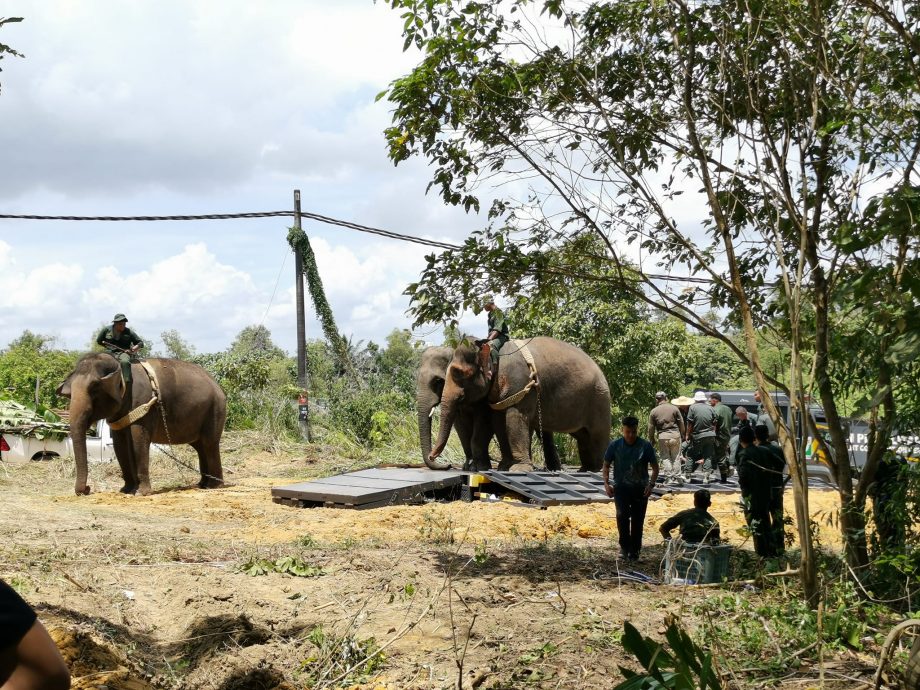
698, 432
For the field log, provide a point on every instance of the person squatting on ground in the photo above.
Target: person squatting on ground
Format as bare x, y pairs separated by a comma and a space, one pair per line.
701, 437
723, 434
667, 423
630, 457
498, 335
696, 525
29, 659
756, 465
122, 343
777, 484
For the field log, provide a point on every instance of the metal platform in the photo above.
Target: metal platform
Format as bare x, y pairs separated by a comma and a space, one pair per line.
373, 488
551, 488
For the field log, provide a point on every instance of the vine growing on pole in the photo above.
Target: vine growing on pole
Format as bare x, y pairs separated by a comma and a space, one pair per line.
299, 241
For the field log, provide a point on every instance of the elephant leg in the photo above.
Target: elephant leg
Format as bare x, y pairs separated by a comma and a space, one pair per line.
500, 427
517, 432
591, 448
124, 453
208, 463
140, 442
550, 454
464, 424
482, 436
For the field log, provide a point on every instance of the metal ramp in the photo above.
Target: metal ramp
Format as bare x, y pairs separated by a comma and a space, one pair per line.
550, 488
372, 488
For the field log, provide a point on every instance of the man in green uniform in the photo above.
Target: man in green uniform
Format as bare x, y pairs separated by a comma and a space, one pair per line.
498, 333
696, 525
120, 342
723, 433
701, 436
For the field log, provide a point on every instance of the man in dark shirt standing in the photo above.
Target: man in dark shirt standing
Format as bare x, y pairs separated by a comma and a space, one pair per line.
696, 525
777, 484
667, 423
120, 342
701, 435
755, 465
630, 457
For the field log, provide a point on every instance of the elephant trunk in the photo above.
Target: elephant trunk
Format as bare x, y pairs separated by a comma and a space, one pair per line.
448, 412
79, 421
424, 428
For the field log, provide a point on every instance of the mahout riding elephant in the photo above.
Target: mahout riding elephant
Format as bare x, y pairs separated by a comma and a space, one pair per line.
194, 407
473, 422
568, 394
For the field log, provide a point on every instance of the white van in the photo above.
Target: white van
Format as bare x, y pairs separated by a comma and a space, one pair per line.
20, 448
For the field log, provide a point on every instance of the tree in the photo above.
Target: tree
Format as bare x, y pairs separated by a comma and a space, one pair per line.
255, 340
176, 346
5, 49
792, 126
30, 370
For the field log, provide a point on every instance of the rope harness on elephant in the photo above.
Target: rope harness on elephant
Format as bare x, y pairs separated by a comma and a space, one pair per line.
141, 410
515, 398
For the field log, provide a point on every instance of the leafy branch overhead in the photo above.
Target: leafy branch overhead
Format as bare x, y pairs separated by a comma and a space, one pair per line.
756, 161
5, 49
299, 241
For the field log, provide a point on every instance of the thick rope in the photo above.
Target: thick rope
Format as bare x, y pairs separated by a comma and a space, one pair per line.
517, 397
141, 410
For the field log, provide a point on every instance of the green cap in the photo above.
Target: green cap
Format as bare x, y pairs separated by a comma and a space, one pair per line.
119, 317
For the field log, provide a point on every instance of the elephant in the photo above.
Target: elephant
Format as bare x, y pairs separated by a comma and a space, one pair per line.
571, 396
191, 408
473, 422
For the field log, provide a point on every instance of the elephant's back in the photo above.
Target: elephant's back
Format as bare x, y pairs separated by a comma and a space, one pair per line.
559, 361
186, 383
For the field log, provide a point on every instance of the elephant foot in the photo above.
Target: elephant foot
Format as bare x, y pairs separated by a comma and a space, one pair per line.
83, 491
481, 466
210, 483
468, 465
128, 488
143, 489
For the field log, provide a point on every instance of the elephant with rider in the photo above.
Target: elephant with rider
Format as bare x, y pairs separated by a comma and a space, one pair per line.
541, 384
165, 401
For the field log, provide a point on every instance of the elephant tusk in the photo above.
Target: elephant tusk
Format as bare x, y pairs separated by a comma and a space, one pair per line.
431, 414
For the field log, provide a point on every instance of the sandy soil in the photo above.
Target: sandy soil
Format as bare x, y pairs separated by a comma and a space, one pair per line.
144, 592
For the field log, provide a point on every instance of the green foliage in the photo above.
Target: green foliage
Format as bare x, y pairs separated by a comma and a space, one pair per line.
346, 655
176, 346
256, 341
28, 359
5, 49
286, 565
299, 241
686, 667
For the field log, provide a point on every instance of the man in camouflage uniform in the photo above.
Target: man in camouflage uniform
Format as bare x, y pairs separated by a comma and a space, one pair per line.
700, 436
122, 343
498, 333
756, 466
696, 525
723, 433
666, 422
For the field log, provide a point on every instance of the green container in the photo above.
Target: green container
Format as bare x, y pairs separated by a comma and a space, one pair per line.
695, 564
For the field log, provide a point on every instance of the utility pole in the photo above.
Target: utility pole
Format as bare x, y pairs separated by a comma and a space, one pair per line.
303, 402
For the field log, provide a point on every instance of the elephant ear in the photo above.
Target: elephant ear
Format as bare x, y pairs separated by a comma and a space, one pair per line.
64, 389
113, 384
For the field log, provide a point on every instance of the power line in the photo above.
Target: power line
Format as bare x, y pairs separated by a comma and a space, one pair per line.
231, 216
312, 216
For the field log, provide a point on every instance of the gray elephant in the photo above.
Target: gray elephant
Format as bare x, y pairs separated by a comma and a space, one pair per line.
472, 422
195, 409
571, 397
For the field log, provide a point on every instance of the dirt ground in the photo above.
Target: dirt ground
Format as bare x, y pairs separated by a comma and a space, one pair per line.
148, 592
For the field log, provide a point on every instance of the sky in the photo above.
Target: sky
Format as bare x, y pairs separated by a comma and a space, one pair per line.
182, 107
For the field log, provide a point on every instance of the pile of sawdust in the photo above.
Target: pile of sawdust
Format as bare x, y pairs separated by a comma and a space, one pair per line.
93, 665
245, 513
